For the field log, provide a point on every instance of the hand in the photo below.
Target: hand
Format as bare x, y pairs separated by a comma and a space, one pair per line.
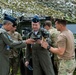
44, 44
39, 41
30, 41
26, 63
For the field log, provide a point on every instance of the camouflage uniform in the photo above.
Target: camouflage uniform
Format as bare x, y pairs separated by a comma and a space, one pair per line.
54, 34
14, 53
66, 67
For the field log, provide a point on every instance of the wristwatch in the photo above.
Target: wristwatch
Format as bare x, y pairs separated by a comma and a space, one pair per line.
48, 47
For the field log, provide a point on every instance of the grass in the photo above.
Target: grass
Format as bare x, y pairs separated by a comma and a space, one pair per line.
75, 73
18, 72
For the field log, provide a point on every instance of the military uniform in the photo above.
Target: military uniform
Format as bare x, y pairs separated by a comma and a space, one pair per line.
67, 60
14, 53
40, 57
54, 34
4, 53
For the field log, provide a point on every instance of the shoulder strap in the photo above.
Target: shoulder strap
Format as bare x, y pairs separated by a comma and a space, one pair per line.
29, 34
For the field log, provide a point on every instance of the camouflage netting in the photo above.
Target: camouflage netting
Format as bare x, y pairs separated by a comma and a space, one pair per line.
54, 8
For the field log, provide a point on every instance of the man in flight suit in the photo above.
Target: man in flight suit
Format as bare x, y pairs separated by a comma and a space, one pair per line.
6, 42
40, 56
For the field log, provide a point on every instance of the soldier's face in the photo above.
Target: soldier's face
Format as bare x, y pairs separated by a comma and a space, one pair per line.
9, 26
46, 27
58, 26
35, 26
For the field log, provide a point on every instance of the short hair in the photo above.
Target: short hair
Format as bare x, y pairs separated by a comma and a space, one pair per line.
47, 23
6, 21
61, 21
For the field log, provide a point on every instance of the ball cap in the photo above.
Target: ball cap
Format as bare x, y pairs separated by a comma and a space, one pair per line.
35, 19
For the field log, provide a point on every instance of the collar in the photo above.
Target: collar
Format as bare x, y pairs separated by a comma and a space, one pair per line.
4, 29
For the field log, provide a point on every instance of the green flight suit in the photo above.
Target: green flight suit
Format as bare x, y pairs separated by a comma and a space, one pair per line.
40, 57
4, 53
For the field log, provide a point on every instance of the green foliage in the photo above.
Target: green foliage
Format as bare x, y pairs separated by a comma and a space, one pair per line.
42, 7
